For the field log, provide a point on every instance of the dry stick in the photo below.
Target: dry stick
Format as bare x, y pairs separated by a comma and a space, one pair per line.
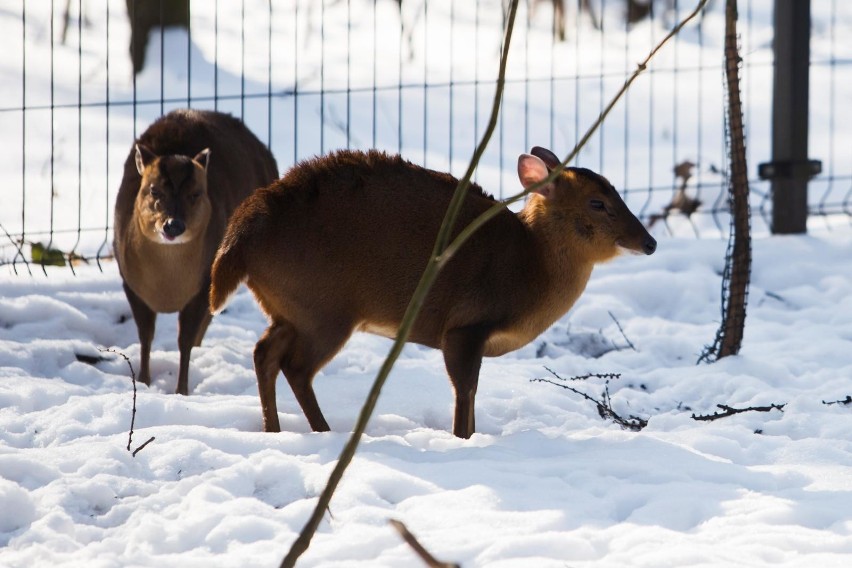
304, 540
496, 209
133, 414
606, 376
624, 335
730, 411
605, 409
440, 259
740, 259
140, 448
418, 548
133, 377
845, 402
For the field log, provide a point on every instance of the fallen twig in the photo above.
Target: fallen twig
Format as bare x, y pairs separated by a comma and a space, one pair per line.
730, 411
845, 402
427, 558
584, 377
633, 423
139, 449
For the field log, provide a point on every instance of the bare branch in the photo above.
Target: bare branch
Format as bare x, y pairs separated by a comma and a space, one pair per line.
424, 555
584, 377
465, 234
300, 545
604, 407
140, 448
133, 415
441, 256
624, 335
730, 411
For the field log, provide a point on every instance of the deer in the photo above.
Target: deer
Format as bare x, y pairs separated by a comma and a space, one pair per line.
182, 179
339, 243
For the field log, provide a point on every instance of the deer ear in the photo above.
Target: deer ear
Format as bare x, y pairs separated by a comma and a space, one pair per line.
203, 158
144, 157
532, 170
550, 159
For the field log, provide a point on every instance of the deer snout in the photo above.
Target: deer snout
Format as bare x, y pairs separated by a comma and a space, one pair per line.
173, 228
650, 245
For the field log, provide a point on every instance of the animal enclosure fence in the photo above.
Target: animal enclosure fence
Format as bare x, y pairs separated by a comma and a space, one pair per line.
412, 77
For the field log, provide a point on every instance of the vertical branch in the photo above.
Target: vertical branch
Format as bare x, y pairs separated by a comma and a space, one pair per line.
740, 271
301, 544
442, 252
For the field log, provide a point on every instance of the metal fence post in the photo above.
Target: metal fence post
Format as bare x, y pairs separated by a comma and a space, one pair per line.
790, 168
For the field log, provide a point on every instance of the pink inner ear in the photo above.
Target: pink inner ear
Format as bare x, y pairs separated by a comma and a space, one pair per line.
532, 170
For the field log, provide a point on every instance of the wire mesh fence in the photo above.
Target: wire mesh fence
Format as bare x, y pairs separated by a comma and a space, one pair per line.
407, 76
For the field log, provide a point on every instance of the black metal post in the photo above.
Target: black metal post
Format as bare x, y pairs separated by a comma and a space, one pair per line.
790, 169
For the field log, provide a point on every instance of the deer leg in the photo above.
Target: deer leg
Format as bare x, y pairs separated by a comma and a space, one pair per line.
463, 348
268, 353
308, 354
146, 320
192, 323
299, 356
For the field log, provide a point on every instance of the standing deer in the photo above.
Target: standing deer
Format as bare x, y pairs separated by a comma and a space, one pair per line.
339, 244
183, 178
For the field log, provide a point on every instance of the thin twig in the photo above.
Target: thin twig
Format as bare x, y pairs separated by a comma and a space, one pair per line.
488, 214
584, 377
303, 541
139, 449
605, 410
730, 411
845, 402
624, 335
418, 548
133, 377
19, 245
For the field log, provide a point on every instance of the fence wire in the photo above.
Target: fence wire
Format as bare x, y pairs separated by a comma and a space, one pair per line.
406, 76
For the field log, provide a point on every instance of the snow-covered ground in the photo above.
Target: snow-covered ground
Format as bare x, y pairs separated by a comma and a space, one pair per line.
545, 481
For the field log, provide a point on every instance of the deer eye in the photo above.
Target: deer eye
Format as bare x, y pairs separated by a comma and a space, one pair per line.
597, 205
156, 193
193, 197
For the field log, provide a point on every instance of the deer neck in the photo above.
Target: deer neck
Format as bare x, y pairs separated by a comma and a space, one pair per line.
165, 276
566, 267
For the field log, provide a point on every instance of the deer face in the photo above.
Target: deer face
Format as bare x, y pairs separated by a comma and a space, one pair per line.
172, 206
584, 208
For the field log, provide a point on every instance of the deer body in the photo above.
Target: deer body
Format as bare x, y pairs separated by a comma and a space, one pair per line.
170, 214
339, 243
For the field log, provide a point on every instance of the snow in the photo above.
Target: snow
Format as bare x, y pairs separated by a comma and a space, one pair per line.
544, 482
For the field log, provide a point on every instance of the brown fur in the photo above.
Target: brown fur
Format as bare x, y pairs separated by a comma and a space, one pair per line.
175, 190
339, 244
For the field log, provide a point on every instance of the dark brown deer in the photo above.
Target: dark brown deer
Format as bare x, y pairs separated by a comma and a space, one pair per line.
183, 178
339, 243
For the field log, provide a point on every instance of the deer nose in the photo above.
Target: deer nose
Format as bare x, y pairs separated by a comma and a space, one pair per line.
650, 245
173, 228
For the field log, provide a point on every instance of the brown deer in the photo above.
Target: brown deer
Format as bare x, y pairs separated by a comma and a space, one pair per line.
339, 243
170, 215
